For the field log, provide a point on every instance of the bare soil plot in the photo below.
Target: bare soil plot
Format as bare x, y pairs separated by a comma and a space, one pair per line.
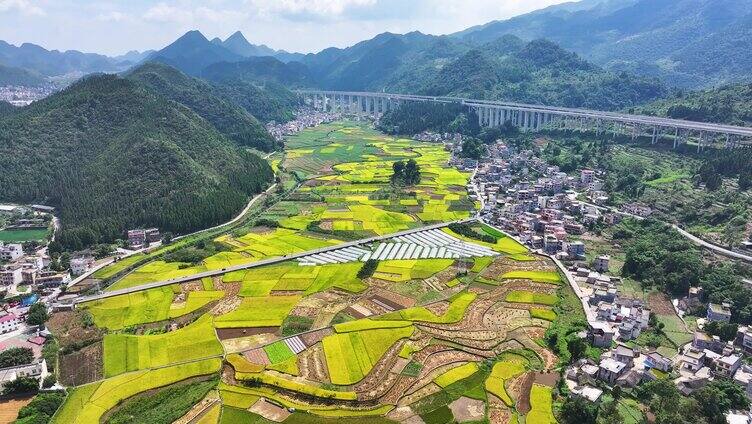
81, 367
269, 410
465, 409
234, 333
9, 408
523, 401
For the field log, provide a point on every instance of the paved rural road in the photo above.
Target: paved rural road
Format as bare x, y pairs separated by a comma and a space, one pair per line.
714, 247
694, 239
262, 262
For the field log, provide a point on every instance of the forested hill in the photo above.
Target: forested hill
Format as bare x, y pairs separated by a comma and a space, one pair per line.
111, 155
203, 99
260, 85
730, 104
6, 108
16, 76
539, 72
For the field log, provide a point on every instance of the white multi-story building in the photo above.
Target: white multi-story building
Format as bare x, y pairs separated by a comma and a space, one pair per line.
11, 275
10, 252
8, 323
79, 266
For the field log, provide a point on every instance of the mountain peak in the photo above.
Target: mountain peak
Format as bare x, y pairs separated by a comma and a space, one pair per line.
193, 35
237, 36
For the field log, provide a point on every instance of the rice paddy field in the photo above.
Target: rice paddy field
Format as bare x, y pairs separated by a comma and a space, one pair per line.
445, 339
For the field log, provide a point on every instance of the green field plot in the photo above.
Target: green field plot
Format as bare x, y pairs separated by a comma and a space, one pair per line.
351, 356
410, 269
118, 312
125, 352
456, 311
552, 277
194, 300
369, 324
88, 403
278, 352
257, 282
521, 296
296, 386
545, 314
156, 271
542, 406
479, 264
116, 267
267, 311
277, 242
456, 374
288, 366
509, 367
20, 236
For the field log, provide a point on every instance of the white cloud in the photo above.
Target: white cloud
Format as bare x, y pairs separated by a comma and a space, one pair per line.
324, 8
112, 17
22, 6
163, 12
166, 13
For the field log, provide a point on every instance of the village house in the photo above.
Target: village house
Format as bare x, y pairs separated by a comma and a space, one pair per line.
657, 361
726, 365
692, 360
81, 265
743, 377
600, 334
718, 312
600, 263
624, 354
8, 322
38, 368
11, 275
10, 252
744, 339
609, 370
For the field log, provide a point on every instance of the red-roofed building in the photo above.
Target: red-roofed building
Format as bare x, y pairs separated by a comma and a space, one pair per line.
8, 323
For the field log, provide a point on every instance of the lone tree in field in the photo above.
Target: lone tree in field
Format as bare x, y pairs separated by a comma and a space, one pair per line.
406, 173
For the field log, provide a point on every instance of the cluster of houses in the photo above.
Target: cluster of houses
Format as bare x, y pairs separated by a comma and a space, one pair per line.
29, 270
537, 202
699, 362
622, 365
305, 118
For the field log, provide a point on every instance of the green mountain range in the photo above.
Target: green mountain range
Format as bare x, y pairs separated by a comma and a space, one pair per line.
689, 43
507, 68
112, 154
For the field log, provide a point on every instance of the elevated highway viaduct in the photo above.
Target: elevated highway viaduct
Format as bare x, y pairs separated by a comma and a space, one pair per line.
529, 117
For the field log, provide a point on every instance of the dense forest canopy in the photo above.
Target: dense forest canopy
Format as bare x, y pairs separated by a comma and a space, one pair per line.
228, 118
731, 104
112, 155
416, 117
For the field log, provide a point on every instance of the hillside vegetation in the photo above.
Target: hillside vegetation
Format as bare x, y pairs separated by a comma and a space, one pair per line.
228, 118
16, 76
688, 43
730, 104
111, 155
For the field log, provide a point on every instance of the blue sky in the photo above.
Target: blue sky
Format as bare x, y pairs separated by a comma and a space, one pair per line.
116, 26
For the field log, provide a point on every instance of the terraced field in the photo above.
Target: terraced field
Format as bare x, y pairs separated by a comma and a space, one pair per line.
449, 338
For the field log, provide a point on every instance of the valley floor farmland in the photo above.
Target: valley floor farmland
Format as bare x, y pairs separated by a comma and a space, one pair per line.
419, 338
